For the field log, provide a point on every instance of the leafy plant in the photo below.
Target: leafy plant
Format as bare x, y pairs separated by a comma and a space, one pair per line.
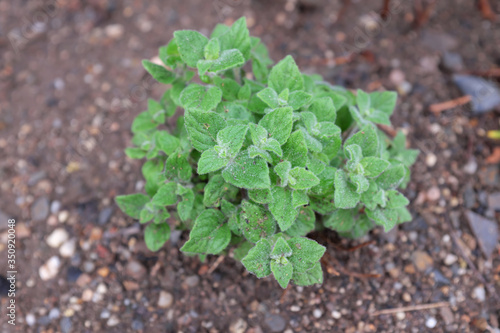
261, 156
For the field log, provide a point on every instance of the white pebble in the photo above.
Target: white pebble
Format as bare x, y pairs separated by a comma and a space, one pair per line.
431, 322
113, 321
479, 293
50, 269
450, 259
430, 160
400, 315
30, 319
317, 313
54, 313
68, 248
57, 237
114, 31
165, 299
55, 206
295, 308
336, 314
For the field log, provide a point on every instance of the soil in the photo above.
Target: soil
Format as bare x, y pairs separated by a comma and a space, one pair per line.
71, 83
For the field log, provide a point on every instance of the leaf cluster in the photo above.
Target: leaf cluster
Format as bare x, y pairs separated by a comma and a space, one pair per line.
261, 156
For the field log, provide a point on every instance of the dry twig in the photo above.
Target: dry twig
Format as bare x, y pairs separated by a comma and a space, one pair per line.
417, 307
440, 107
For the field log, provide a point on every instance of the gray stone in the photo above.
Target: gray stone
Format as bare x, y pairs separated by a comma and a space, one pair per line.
137, 325
453, 62
165, 299
485, 94
36, 177
469, 196
105, 215
275, 322
3, 220
66, 325
192, 281
40, 209
439, 41
486, 232
238, 326
135, 269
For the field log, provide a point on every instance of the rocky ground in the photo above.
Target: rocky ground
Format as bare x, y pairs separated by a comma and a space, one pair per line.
71, 83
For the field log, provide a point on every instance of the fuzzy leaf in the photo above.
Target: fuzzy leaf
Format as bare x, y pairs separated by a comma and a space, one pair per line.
281, 249
392, 177
178, 167
166, 142
269, 96
166, 195
301, 179
297, 99
230, 140
304, 223
210, 235
341, 220
258, 259
282, 170
211, 161
214, 191
286, 74
155, 235
196, 96
282, 272
278, 124
306, 253
191, 45
159, 73
245, 172
374, 166
324, 109
228, 59
132, 204
202, 128
312, 276
367, 139
253, 151
345, 193
256, 222
396, 199
185, 206
262, 196
295, 149
282, 207
237, 37
299, 198
212, 49
384, 217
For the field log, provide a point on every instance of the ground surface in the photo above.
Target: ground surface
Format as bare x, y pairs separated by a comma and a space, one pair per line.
65, 119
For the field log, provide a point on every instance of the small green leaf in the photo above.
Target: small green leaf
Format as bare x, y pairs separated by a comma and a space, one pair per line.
196, 96
178, 167
159, 73
228, 59
304, 223
309, 277
253, 152
360, 182
341, 220
212, 49
135, 153
269, 96
282, 207
237, 37
301, 179
396, 199
210, 235
286, 74
299, 198
262, 196
155, 235
306, 253
345, 193
384, 217
324, 109
278, 124
185, 206
374, 166
282, 170
281, 249
392, 177
258, 259
166, 142
202, 128
166, 195
256, 222
191, 45
211, 161
282, 272
245, 172
367, 139
230, 140
298, 99
213, 191
295, 149
132, 204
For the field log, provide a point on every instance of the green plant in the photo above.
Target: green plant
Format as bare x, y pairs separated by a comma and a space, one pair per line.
258, 160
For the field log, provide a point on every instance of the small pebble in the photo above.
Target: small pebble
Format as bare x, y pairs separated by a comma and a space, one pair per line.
450, 259
430, 160
433, 194
431, 322
50, 269
113, 321
400, 315
105, 314
55, 206
295, 308
54, 313
63, 216
114, 31
192, 281
165, 299
317, 313
479, 293
30, 319
238, 326
336, 314
68, 248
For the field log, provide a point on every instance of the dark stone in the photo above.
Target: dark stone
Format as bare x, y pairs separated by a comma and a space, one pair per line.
486, 232
485, 95
73, 274
137, 325
43, 321
452, 62
4, 286
415, 225
105, 215
40, 209
469, 196
275, 322
439, 279
66, 325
